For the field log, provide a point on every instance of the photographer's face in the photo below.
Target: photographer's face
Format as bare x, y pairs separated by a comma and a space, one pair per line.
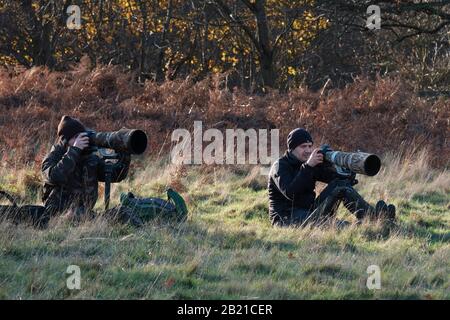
303, 151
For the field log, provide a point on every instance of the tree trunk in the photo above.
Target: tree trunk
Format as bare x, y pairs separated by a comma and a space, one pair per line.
144, 41
41, 51
159, 64
265, 50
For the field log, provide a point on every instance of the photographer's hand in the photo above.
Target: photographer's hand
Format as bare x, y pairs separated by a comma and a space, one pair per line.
82, 141
315, 158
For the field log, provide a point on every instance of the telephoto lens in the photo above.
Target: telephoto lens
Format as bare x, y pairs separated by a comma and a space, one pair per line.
132, 141
359, 162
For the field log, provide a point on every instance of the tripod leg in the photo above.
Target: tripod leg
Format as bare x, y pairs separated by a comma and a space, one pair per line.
107, 189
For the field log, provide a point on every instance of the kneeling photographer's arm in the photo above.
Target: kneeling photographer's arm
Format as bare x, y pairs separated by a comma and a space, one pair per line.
60, 163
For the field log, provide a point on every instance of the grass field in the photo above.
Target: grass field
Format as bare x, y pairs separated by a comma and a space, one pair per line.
227, 248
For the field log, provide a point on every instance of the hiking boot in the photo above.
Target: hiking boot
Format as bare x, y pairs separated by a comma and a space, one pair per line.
390, 212
385, 211
380, 207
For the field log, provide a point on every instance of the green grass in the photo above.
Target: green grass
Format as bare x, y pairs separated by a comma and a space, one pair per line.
227, 248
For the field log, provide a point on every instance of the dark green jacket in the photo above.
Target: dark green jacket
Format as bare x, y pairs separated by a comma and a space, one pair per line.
71, 178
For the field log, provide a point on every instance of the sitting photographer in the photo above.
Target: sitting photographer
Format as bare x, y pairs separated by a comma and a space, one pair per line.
72, 171
292, 180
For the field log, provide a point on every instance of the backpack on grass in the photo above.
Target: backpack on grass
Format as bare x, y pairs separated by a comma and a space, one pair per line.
150, 208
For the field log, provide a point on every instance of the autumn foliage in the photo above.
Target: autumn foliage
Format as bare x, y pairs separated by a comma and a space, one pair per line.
376, 116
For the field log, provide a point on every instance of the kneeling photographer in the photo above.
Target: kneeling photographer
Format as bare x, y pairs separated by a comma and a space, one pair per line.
72, 171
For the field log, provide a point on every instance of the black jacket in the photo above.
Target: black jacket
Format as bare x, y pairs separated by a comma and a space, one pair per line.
292, 183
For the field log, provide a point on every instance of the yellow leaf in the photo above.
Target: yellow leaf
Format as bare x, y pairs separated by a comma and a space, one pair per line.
292, 71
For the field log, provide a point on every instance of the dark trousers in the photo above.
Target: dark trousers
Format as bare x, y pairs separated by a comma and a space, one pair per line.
327, 203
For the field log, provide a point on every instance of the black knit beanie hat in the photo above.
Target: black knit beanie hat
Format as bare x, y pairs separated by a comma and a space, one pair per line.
296, 137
